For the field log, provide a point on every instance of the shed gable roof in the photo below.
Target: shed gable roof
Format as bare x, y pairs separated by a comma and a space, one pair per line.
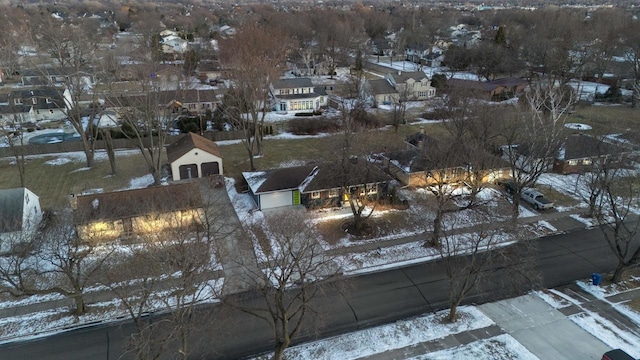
187, 143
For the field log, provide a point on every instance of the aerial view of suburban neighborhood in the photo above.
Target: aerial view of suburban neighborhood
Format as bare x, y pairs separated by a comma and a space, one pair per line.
319, 179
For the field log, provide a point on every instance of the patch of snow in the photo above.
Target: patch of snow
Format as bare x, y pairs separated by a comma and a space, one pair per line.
140, 182
403, 333
58, 161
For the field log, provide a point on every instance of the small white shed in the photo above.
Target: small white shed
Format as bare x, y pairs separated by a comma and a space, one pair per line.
194, 156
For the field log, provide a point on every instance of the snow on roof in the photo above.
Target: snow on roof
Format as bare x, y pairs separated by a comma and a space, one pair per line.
255, 179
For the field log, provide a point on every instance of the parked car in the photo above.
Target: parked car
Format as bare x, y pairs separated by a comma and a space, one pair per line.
536, 199
616, 354
509, 185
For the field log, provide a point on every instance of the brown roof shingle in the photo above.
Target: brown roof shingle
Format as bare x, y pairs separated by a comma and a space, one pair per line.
191, 141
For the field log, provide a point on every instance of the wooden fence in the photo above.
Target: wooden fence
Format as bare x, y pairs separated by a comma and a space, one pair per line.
72, 146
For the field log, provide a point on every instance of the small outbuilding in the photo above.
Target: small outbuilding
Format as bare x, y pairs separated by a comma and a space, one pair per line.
20, 215
194, 156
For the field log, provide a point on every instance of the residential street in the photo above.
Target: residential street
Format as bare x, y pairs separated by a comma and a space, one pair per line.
371, 299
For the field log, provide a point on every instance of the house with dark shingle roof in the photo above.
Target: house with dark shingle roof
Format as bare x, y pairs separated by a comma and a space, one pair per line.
125, 214
297, 95
579, 152
194, 156
382, 92
20, 215
429, 160
324, 185
496, 90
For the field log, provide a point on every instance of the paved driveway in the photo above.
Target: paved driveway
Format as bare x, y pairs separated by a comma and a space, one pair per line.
543, 330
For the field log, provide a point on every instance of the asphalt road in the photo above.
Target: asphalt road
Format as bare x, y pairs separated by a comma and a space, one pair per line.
367, 300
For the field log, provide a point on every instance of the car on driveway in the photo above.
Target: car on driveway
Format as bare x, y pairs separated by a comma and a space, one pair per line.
617, 354
509, 185
536, 199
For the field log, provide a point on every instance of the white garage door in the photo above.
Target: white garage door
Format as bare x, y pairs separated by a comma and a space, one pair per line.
278, 199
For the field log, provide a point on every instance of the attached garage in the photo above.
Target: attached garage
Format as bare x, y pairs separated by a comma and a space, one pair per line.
194, 156
277, 187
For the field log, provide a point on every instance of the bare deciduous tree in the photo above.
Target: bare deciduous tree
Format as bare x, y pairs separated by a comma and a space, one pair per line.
535, 135
294, 272
256, 55
55, 261
619, 197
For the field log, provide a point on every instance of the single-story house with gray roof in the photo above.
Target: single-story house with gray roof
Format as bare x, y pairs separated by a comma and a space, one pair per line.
316, 186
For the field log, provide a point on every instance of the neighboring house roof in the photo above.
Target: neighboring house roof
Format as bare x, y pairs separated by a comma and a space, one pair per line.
165, 97
402, 76
277, 179
333, 175
291, 83
137, 202
12, 205
41, 95
430, 153
581, 146
309, 178
381, 86
486, 86
187, 143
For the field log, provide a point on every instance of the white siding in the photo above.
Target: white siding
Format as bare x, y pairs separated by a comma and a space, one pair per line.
194, 156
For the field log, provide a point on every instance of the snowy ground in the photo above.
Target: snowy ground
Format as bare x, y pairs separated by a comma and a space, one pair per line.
398, 335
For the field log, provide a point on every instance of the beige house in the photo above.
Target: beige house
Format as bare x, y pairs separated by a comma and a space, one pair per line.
133, 213
411, 85
194, 156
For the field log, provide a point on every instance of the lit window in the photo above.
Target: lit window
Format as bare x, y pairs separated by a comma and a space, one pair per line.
315, 195
573, 162
586, 162
333, 193
373, 189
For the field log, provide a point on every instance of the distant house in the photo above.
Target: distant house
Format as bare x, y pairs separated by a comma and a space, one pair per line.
194, 156
315, 186
496, 90
53, 76
131, 213
20, 216
411, 85
424, 164
194, 101
33, 105
173, 44
383, 92
297, 95
580, 152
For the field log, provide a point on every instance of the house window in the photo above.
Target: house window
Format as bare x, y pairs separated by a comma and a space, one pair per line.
573, 162
315, 195
422, 93
48, 100
373, 189
34, 101
17, 101
586, 162
333, 193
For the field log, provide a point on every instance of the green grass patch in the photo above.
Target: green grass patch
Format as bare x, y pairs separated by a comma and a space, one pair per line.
607, 119
558, 198
54, 183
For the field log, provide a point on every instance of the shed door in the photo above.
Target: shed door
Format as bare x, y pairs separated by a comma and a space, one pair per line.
189, 171
210, 168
